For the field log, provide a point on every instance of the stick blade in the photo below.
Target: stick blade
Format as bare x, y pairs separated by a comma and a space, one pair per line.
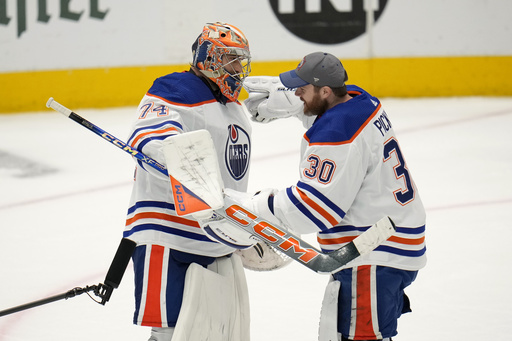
194, 173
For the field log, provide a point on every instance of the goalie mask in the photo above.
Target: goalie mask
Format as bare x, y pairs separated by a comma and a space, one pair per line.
221, 53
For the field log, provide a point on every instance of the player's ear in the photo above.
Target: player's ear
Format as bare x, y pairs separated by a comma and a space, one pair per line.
325, 91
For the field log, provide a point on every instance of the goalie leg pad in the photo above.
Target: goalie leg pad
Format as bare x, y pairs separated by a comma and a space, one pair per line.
161, 334
232, 269
215, 303
328, 329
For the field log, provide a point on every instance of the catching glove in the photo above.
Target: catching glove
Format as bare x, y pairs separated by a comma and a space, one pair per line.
222, 231
269, 99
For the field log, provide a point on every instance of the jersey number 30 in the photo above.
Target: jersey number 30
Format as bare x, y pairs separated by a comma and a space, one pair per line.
319, 169
403, 196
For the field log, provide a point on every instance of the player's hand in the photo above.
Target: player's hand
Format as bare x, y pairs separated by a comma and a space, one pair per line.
251, 105
257, 203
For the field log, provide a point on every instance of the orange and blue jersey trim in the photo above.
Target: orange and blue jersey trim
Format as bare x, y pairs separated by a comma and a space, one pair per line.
159, 275
197, 104
319, 205
162, 134
162, 130
153, 306
326, 201
398, 245
304, 210
142, 136
167, 229
185, 89
181, 89
140, 220
343, 123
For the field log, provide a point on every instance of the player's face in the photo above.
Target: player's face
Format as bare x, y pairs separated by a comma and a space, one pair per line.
232, 64
314, 104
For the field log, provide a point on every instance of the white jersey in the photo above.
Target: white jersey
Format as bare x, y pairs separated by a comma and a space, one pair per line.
177, 103
353, 173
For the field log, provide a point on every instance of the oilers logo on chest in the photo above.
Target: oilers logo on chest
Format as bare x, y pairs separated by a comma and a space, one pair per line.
238, 151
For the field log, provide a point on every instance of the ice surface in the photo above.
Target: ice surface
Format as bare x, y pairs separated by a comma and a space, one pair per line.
64, 194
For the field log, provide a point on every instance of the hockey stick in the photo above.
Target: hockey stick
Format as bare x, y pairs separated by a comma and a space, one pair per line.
185, 177
102, 133
296, 248
198, 190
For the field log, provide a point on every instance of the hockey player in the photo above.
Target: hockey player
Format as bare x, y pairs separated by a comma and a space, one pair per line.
352, 173
205, 97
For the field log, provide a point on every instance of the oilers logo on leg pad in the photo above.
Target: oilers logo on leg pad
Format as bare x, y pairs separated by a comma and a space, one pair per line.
238, 151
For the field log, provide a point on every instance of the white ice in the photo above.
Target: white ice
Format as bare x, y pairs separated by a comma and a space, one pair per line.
64, 194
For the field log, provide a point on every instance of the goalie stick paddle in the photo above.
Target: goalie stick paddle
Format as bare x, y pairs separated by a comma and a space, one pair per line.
279, 238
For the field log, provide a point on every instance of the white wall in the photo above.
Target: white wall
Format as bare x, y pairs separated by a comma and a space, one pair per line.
158, 32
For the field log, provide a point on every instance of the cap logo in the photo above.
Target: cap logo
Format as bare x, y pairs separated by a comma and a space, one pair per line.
316, 79
301, 64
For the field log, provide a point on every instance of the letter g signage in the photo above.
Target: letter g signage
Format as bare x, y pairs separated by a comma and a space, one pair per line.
326, 21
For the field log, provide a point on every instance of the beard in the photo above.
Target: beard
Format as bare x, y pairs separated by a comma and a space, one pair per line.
316, 107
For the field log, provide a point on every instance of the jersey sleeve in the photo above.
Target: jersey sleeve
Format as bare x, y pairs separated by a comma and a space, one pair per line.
336, 156
161, 111
156, 121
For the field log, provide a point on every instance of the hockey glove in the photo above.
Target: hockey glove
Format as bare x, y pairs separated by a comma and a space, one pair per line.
260, 257
260, 203
269, 99
222, 231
